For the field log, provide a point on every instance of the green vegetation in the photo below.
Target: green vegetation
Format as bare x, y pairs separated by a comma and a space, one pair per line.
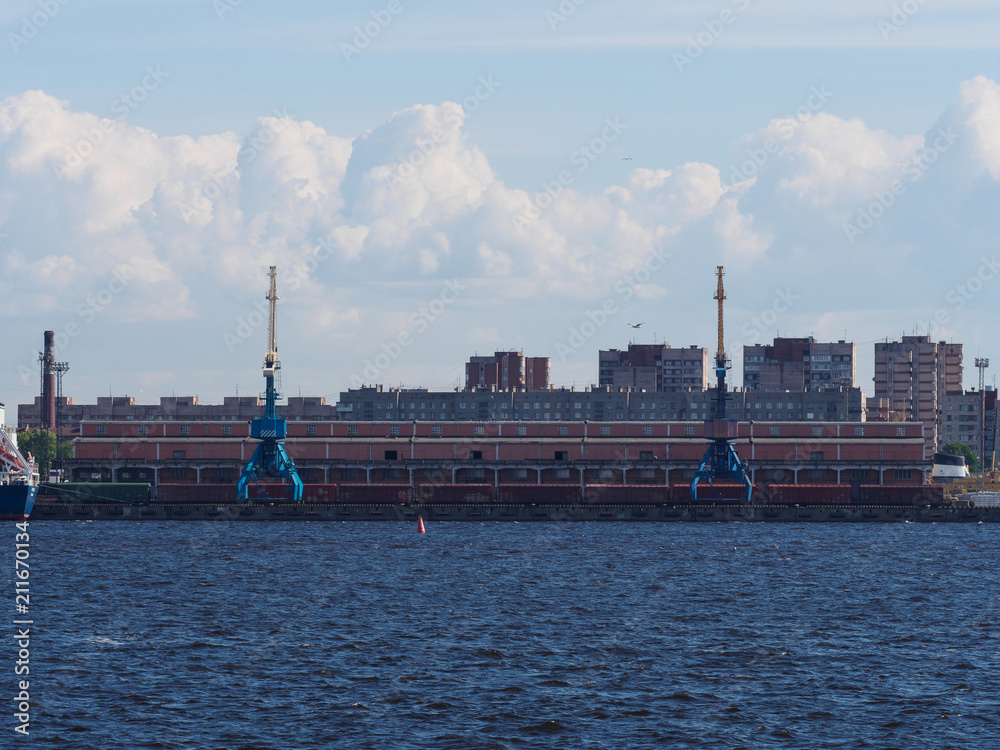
42, 445
961, 449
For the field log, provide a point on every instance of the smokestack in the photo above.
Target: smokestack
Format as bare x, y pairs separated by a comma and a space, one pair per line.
49, 382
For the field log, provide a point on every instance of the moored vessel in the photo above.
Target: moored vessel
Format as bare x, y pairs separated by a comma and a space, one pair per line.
18, 481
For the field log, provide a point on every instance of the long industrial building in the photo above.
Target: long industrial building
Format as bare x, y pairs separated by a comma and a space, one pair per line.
501, 452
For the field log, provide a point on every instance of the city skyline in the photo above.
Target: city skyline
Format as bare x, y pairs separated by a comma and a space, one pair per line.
510, 181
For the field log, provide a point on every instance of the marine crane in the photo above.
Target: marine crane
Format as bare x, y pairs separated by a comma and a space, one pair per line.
270, 459
721, 460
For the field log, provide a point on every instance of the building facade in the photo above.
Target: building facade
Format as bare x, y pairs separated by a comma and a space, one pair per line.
798, 364
599, 404
507, 371
654, 367
501, 452
970, 417
914, 375
170, 408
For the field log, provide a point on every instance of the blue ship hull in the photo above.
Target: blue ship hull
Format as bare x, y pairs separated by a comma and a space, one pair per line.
16, 501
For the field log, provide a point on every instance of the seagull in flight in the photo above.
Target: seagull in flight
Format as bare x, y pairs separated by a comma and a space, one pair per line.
636, 325
626, 158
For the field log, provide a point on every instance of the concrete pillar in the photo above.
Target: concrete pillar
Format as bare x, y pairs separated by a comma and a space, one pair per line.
454, 476
198, 474
795, 476
539, 475
368, 475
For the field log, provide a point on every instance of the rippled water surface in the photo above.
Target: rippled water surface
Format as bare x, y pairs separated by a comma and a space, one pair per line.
368, 635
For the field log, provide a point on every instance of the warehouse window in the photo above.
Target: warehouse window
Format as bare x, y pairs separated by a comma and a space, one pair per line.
391, 455
647, 430
817, 431
605, 431
180, 454
178, 473
646, 456
562, 455
144, 429
689, 431
227, 430
859, 473
185, 430
348, 473
817, 474
478, 430
310, 429
563, 429
436, 430
393, 429
900, 432
816, 455
775, 431
522, 430
901, 473
859, 432
352, 430
102, 429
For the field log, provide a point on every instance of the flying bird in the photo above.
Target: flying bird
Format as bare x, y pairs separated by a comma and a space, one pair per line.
626, 158
635, 325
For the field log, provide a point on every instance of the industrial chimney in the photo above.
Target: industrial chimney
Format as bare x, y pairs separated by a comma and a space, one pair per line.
49, 382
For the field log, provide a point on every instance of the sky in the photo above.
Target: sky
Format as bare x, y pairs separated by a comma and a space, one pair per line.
437, 179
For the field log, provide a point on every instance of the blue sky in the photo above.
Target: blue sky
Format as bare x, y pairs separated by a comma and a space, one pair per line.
893, 82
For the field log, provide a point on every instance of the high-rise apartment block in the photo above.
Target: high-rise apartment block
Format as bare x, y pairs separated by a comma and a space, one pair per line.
507, 371
970, 417
797, 364
654, 367
914, 375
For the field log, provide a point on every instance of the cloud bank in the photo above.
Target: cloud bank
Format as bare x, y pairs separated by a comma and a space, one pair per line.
866, 230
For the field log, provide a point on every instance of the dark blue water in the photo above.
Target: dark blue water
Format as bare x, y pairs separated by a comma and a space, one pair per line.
282, 635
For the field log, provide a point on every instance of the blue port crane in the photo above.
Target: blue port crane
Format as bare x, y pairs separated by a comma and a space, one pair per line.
721, 460
270, 459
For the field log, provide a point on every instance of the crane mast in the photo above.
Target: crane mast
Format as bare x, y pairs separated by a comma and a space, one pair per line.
270, 459
721, 460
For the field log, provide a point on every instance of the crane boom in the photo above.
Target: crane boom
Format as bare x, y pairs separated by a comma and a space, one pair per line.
720, 294
271, 358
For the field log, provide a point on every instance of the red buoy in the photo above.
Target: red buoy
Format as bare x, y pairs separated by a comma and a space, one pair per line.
420, 525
